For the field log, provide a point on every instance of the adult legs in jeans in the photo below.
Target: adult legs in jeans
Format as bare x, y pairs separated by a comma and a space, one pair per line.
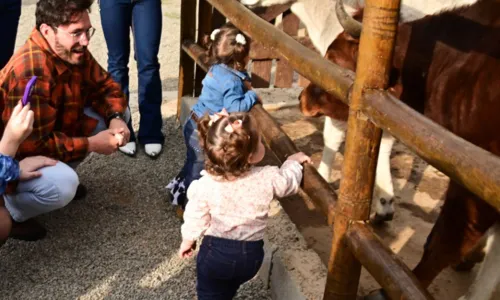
10, 11
116, 19
145, 19
147, 24
53, 190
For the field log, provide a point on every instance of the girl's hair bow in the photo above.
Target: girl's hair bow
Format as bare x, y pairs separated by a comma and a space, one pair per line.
231, 127
214, 34
215, 117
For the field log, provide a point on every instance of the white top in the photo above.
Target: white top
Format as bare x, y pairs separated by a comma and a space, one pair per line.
237, 209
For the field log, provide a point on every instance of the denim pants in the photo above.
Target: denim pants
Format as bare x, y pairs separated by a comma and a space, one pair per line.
195, 158
53, 190
10, 11
144, 17
223, 265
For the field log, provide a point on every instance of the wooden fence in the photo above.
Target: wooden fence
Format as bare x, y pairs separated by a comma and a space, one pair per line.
371, 109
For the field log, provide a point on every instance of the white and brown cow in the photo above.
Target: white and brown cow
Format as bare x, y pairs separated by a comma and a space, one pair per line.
323, 27
447, 67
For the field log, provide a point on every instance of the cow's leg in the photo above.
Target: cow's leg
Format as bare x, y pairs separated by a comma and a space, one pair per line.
383, 194
333, 136
488, 278
463, 220
476, 255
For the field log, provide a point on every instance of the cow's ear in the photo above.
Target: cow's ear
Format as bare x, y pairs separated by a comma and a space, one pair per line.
354, 52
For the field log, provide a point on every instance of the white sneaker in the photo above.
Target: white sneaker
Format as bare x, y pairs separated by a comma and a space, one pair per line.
129, 148
153, 150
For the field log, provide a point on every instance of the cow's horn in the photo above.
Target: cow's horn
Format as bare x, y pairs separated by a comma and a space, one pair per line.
351, 26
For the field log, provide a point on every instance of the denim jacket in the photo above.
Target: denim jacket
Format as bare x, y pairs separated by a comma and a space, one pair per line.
223, 88
9, 170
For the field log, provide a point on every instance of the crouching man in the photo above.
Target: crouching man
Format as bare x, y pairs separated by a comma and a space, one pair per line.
77, 108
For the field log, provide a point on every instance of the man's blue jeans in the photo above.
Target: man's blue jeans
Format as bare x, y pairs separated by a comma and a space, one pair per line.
10, 11
144, 17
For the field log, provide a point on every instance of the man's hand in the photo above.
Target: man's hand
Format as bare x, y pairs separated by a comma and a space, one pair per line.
120, 125
106, 141
187, 248
30, 166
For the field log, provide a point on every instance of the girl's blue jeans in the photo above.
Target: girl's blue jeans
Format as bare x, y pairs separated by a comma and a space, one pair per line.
195, 159
223, 265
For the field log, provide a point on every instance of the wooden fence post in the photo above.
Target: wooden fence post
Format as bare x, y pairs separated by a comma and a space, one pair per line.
362, 143
204, 27
186, 64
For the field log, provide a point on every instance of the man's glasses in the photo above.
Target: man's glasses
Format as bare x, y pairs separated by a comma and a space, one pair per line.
77, 35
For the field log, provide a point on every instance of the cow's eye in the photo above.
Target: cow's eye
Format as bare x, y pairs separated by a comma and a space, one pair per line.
317, 90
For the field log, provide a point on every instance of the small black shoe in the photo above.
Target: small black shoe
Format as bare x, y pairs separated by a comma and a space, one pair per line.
29, 230
81, 192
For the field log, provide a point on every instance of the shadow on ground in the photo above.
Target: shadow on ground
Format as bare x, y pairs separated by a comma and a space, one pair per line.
119, 242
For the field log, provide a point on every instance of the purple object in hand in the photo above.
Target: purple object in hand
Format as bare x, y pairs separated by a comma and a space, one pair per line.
28, 91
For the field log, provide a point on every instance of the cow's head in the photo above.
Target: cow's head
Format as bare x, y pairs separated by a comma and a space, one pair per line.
314, 101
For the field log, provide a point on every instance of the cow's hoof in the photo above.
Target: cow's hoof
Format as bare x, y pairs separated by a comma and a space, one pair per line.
376, 295
380, 219
477, 256
464, 266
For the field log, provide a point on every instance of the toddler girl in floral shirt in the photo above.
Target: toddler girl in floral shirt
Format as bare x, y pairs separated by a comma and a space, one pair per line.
229, 204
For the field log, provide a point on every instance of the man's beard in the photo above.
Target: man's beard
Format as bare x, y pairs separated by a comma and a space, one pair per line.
67, 55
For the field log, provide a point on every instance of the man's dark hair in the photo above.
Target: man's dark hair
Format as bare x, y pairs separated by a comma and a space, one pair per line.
59, 12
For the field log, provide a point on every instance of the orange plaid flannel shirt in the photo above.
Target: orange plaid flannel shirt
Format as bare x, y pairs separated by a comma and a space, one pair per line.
61, 92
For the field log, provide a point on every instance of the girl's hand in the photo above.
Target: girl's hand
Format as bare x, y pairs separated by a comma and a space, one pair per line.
20, 123
17, 129
259, 100
247, 84
300, 157
187, 248
30, 166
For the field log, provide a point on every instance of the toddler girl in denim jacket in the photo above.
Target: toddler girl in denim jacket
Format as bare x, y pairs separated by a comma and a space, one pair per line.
226, 86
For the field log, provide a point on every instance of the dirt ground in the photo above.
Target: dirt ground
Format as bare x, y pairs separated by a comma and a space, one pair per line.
419, 190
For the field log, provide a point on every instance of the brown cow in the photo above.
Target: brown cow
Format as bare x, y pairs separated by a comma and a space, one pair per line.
447, 67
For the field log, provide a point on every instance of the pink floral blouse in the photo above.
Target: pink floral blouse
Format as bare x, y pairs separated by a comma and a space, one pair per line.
237, 209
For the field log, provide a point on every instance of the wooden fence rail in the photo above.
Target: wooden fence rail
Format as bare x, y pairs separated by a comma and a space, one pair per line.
443, 154
473, 167
388, 270
318, 190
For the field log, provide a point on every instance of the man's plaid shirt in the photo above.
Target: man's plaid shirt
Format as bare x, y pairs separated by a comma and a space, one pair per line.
61, 92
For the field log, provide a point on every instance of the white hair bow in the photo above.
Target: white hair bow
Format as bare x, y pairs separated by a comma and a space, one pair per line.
231, 127
222, 114
240, 39
214, 34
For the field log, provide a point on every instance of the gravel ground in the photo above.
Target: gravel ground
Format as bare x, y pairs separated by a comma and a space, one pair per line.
121, 241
